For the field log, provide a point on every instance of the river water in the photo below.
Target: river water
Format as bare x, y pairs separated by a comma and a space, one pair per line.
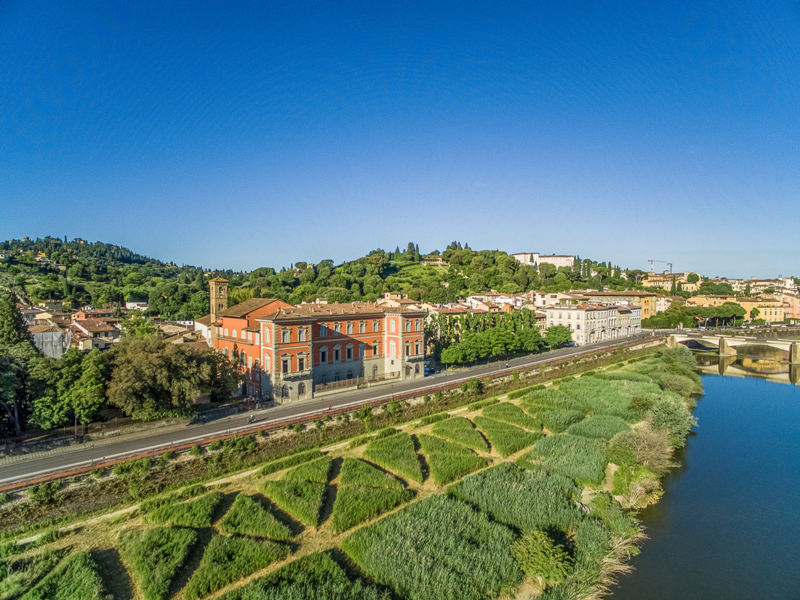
728, 525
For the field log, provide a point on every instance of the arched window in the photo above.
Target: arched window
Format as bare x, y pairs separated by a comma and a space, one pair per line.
416, 369
391, 325
284, 391
417, 324
267, 363
234, 333
301, 389
226, 332
392, 349
408, 370
408, 326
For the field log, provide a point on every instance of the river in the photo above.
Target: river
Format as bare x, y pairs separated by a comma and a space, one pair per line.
728, 525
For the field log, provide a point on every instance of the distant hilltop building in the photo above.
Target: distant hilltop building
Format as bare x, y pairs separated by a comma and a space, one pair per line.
535, 259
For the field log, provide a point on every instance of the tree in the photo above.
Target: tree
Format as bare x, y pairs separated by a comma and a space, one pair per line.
88, 394
12, 327
754, 313
138, 326
557, 335
152, 377
693, 278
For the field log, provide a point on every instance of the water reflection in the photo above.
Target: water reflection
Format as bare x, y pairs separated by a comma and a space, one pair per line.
748, 366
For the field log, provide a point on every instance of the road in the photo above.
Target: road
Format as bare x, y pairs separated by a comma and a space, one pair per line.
76, 457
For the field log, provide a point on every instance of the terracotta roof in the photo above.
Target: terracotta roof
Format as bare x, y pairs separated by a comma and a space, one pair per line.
94, 326
44, 329
218, 280
245, 308
204, 320
320, 311
625, 293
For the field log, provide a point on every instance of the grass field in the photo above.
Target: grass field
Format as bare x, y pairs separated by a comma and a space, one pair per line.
461, 431
155, 556
17, 577
302, 500
77, 577
196, 513
449, 461
513, 414
227, 559
471, 554
526, 500
396, 454
599, 426
506, 439
248, 517
558, 421
364, 492
316, 470
291, 461
572, 456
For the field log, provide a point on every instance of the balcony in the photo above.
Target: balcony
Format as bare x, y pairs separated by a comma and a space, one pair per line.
290, 375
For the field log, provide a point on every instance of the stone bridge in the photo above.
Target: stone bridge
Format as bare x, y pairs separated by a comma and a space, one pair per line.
727, 345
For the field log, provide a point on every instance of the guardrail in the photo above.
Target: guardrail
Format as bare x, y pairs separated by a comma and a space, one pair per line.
30, 479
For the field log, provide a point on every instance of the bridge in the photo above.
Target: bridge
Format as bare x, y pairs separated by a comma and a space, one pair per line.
727, 345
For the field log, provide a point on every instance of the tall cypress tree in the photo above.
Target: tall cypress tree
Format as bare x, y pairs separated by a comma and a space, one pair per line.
12, 327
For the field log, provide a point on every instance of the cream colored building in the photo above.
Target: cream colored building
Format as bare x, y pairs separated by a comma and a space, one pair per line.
591, 323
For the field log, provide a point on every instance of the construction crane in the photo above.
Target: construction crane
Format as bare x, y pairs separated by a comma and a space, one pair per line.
660, 261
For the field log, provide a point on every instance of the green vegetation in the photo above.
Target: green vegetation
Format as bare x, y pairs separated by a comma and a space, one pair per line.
432, 419
366, 439
291, 461
600, 426
19, 576
511, 413
507, 439
184, 494
44, 492
197, 513
396, 454
227, 559
76, 577
461, 431
560, 420
482, 403
449, 461
248, 517
364, 492
312, 577
575, 457
155, 556
539, 556
472, 554
315, 470
527, 500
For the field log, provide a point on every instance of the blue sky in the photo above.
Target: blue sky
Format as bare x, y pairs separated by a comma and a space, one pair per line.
238, 135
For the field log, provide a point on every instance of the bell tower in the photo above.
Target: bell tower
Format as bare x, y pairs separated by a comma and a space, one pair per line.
218, 301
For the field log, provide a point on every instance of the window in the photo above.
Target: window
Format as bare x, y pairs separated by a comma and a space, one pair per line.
375, 349
285, 365
285, 336
349, 374
249, 336
349, 327
416, 347
374, 370
244, 335
336, 355
226, 332
408, 326
301, 334
416, 369
349, 353
323, 355
391, 325
234, 333
242, 358
323, 331
301, 389
376, 325
337, 377
301, 364
258, 339
362, 327
249, 362
284, 391
408, 349
392, 349
337, 328
417, 325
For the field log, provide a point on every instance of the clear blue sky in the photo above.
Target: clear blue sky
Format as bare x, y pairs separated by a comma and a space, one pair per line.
237, 135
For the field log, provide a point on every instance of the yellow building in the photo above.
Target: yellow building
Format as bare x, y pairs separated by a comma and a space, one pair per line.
769, 308
645, 300
663, 281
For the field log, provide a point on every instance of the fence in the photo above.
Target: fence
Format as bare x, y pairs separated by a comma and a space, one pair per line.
355, 382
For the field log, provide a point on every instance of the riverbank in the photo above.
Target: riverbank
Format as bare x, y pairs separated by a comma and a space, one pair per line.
554, 441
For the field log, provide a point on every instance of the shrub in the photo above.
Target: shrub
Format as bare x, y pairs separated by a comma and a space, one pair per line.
76, 577
507, 439
248, 517
196, 513
515, 375
98, 473
538, 556
44, 492
599, 426
641, 404
5, 497
432, 419
575, 457
670, 413
364, 492
679, 384
196, 450
437, 397
472, 554
299, 428
315, 470
527, 500
215, 445
168, 455
560, 420
365, 439
239, 445
449, 461
291, 461
300, 499
396, 454
155, 557
426, 398
461, 431
511, 413
228, 559
641, 446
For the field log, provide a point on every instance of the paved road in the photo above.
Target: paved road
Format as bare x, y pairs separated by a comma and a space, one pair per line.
24, 468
